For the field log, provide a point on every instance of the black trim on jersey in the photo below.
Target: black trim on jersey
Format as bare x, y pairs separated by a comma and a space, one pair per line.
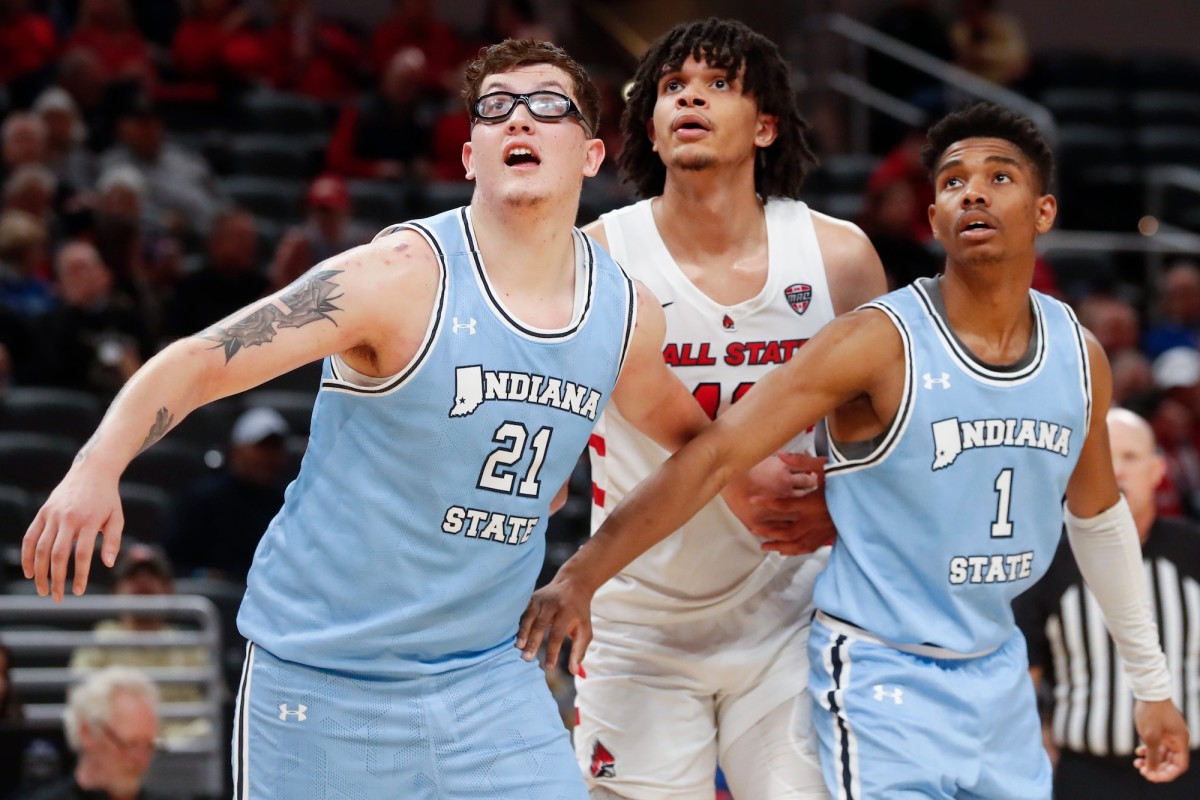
967, 360
631, 306
1085, 369
846, 773
240, 788
498, 307
890, 437
434, 330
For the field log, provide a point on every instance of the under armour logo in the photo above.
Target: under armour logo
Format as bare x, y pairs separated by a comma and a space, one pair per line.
299, 713
469, 326
896, 695
943, 381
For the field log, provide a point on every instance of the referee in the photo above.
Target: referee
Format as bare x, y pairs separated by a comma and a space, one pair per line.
1092, 720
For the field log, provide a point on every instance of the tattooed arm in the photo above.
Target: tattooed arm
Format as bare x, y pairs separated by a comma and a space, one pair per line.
370, 304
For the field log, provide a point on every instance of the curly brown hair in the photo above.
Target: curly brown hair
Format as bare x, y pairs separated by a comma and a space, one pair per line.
730, 45
514, 53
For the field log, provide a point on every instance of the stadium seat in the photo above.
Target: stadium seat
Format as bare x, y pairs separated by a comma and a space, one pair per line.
277, 199
147, 512
63, 412
1065, 68
438, 196
171, 465
208, 426
271, 156
268, 111
35, 462
378, 202
1086, 106
845, 173
1162, 71
16, 512
1168, 144
1166, 108
294, 406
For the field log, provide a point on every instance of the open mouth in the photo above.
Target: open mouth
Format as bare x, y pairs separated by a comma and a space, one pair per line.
519, 155
691, 122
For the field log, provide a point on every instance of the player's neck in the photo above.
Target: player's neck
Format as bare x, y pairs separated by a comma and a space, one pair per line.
528, 255
709, 214
988, 308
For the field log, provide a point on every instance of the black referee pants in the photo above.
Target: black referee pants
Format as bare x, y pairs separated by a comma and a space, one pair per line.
1085, 777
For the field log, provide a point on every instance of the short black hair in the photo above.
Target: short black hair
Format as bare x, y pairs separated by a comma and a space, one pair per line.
991, 121
724, 44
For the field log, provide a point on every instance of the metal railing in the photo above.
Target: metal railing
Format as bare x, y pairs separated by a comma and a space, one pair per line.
36, 629
862, 38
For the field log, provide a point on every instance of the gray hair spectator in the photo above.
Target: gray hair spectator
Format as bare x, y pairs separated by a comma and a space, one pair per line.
111, 722
31, 188
66, 137
24, 139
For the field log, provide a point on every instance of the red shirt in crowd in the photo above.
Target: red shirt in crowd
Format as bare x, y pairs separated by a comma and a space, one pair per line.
28, 43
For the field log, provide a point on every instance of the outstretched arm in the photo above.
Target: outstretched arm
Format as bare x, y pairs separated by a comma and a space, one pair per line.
333, 308
790, 398
1105, 543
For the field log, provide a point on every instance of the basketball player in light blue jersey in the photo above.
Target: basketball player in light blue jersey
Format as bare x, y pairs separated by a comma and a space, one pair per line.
961, 411
467, 358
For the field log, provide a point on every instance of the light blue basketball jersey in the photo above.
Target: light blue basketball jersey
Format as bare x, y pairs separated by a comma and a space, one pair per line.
411, 540
958, 506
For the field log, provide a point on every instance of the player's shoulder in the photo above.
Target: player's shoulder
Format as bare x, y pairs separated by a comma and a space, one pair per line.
840, 238
597, 232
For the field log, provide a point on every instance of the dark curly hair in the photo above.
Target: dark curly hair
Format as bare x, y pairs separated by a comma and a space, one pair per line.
515, 53
991, 121
729, 45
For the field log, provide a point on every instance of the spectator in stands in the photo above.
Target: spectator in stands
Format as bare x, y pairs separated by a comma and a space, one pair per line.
105, 28
11, 710
387, 133
327, 231
181, 192
887, 220
228, 280
218, 521
1176, 422
145, 260
903, 165
111, 722
1112, 320
95, 339
81, 76
1132, 379
24, 289
413, 23
29, 45
1070, 651
451, 127
66, 138
24, 140
989, 43
12, 715
310, 55
513, 19
217, 42
32, 188
144, 572
1178, 320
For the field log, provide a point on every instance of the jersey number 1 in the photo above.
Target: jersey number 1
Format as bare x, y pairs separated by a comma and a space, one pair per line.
1002, 528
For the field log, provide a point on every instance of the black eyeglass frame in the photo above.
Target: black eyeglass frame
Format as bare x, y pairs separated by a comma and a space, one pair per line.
517, 99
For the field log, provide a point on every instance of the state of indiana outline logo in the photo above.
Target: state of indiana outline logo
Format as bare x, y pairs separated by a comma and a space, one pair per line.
798, 295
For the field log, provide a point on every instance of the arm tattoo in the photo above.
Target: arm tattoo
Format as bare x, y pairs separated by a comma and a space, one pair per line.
162, 424
309, 299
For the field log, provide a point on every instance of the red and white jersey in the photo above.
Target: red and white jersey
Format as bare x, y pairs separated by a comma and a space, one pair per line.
718, 351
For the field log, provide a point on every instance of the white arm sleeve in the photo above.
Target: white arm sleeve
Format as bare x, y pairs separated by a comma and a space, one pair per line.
1109, 555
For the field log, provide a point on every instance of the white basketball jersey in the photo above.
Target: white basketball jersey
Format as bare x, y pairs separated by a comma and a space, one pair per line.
718, 351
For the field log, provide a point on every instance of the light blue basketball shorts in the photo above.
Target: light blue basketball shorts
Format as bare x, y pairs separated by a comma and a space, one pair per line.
490, 730
896, 725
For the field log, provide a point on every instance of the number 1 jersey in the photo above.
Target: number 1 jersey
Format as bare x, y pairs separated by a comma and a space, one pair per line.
957, 507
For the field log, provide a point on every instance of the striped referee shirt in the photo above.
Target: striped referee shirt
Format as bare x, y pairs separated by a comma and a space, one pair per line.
1093, 704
